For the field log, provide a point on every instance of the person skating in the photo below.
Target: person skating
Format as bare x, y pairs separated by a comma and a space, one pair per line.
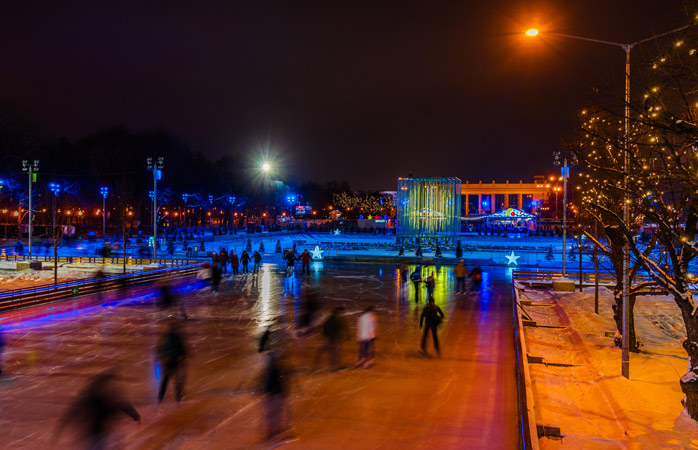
416, 278
290, 261
305, 259
245, 261
403, 272
476, 275
2, 348
431, 318
276, 384
224, 260
234, 262
95, 409
257, 258
430, 284
366, 328
172, 353
334, 331
460, 271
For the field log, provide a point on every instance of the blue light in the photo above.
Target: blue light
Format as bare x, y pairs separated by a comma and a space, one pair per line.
54, 187
104, 191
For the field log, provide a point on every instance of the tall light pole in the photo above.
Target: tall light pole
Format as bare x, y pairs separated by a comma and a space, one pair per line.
31, 170
625, 358
156, 167
55, 188
104, 191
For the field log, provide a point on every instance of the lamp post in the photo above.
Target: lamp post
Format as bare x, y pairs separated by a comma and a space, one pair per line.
104, 191
627, 47
156, 167
55, 188
31, 170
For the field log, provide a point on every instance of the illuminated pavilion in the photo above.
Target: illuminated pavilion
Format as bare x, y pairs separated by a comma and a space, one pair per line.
428, 208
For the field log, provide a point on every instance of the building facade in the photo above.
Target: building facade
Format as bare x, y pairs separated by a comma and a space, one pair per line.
488, 198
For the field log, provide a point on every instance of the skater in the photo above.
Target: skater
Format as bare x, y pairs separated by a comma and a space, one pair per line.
245, 261
257, 258
460, 271
19, 248
335, 331
95, 409
203, 276
275, 384
430, 284
290, 262
234, 262
305, 259
476, 275
403, 272
416, 278
310, 307
366, 328
224, 260
172, 353
431, 318
215, 278
2, 347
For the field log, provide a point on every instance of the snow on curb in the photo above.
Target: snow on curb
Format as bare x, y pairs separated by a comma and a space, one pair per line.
529, 429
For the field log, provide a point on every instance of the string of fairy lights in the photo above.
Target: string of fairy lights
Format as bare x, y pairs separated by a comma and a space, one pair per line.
662, 175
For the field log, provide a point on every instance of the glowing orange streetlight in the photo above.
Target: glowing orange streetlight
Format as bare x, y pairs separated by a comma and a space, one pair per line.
532, 32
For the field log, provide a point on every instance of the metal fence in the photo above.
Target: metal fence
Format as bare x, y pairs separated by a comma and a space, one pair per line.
116, 260
19, 298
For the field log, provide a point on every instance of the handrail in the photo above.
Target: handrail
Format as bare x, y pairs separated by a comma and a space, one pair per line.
117, 260
18, 298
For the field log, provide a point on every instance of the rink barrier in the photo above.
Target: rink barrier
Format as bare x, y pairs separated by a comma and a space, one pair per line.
528, 438
13, 299
545, 278
114, 260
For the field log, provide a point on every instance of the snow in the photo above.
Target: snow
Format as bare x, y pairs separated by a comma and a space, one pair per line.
579, 387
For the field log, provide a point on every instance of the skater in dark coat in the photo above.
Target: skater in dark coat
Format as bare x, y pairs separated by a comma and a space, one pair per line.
305, 259
172, 353
257, 258
234, 262
245, 261
431, 318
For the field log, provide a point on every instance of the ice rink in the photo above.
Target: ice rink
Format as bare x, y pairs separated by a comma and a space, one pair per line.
464, 399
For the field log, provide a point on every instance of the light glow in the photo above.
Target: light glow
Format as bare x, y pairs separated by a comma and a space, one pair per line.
532, 32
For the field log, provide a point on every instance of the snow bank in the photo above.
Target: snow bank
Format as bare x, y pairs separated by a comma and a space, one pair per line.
579, 387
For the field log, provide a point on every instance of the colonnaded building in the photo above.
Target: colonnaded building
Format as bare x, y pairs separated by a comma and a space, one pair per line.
433, 207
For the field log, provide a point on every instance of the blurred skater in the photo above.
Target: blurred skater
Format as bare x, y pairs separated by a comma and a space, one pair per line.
234, 262
305, 260
245, 261
257, 258
334, 331
95, 409
224, 260
290, 262
460, 271
310, 306
172, 353
168, 301
366, 328
276, 384
416, 278
2, 348
476, 275
403, 272
430, 284
215, 278
431, 318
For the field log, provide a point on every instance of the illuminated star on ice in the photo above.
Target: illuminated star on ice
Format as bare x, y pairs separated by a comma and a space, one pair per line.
512, 258
336, 232
317, 253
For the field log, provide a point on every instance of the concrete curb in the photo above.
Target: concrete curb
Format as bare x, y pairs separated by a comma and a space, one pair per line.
527, 405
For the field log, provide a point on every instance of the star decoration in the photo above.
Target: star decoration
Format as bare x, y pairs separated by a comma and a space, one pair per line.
336, 232
317, 253
512, 258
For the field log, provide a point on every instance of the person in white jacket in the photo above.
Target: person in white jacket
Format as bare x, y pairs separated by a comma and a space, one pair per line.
366, 328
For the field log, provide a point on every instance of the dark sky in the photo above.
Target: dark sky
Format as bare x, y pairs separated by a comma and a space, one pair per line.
360, 91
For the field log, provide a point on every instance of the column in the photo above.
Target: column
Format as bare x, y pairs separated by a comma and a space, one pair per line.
479, 203
519, 201
506, 201
467, 209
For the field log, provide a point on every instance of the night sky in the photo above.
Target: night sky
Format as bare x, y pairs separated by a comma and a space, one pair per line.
355, 91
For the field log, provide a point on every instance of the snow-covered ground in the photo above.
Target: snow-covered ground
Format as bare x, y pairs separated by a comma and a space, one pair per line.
579, 387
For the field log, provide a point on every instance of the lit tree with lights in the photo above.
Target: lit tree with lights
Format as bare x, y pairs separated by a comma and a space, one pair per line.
662, 182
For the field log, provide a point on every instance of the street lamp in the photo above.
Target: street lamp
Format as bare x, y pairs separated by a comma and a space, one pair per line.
627, 47
266, 167
31, 170
55, 188
156, 167
104, 191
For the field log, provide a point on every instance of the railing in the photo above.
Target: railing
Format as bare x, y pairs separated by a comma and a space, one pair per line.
19, 298
116, 260
588, 278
